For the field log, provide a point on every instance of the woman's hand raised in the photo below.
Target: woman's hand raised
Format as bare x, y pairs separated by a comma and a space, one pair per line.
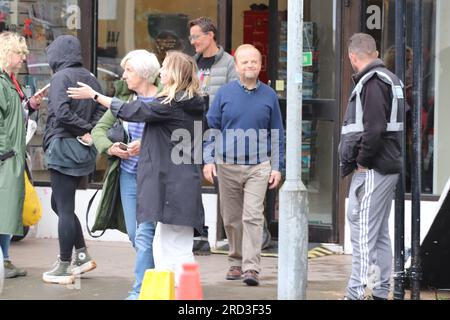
86, 92
82, 92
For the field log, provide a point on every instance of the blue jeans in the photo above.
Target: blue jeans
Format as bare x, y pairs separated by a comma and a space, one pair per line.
128, 198
144, 255
5, 241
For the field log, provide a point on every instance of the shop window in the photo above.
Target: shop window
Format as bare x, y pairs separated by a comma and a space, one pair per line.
382, 28
251, 25
441, 130
157, 26
40, 21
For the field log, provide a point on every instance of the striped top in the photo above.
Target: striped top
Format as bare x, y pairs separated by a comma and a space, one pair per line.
135, 131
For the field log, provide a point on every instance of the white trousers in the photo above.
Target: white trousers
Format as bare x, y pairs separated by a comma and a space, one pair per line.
172, 246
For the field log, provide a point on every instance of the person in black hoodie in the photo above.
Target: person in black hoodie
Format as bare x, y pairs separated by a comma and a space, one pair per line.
169, 173
69, 154
370, 148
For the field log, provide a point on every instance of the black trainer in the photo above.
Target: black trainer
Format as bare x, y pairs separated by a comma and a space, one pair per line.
201, 244
201, 248
377, 298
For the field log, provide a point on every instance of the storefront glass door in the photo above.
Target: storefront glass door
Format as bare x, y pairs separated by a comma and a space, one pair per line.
252, 23
379, 21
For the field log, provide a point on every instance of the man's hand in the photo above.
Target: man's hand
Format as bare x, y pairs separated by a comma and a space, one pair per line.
274, 180
361, 168
134, 148
209, 172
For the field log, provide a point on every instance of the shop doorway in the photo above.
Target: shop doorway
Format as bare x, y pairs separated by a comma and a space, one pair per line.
265, 26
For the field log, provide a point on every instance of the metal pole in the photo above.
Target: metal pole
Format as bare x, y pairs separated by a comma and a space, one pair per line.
399, 247
274, 42
2, 271
416, 273
293, 221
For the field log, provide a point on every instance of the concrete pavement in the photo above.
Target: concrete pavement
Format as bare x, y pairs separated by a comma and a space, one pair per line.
327, 276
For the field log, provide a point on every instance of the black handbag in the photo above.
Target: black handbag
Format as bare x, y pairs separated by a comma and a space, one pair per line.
117, 132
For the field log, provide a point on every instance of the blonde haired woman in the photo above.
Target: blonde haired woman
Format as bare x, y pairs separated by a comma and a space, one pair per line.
13, 51
141, 70
168, 192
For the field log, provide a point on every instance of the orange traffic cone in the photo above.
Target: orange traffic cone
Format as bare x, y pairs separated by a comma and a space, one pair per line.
189, 287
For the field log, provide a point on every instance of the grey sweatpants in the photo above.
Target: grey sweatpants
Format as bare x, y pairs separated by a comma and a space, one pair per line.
369, 206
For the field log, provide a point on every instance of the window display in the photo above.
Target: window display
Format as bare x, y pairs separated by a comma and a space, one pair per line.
156, 26
40, 22
380, 22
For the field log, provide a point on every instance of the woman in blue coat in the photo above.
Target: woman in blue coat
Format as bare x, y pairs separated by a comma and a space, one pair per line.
168, 178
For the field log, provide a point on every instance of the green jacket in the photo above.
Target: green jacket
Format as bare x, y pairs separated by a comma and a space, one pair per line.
109, 213
99, 133
12, 138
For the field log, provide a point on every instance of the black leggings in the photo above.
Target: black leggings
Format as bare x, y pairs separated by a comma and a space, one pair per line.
63, 204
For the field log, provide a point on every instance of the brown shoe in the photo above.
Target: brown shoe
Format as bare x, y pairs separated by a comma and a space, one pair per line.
251, 278
234, 273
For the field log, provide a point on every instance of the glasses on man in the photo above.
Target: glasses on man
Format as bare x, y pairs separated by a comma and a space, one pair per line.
196, 36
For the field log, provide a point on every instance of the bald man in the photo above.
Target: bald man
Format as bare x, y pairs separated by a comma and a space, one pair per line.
247, 157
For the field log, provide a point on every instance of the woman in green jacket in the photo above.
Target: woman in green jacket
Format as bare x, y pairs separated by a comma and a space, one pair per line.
13, 105
141, 69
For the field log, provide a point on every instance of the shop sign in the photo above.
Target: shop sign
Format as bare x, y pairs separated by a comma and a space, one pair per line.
307, 59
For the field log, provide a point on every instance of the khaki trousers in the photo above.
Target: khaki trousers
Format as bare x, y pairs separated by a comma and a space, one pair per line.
242, 191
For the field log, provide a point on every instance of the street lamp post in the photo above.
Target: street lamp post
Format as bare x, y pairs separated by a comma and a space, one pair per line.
399, 244
293, 221
416, 272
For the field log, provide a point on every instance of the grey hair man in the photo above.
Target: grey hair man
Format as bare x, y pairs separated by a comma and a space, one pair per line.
215, 68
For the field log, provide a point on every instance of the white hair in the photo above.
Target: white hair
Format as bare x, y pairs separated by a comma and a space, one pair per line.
144, 63
10, 42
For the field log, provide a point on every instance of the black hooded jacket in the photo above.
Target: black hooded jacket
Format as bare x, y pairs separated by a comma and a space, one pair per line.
66, 117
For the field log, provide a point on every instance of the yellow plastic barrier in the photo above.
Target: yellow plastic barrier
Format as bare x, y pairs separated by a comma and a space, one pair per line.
158, 285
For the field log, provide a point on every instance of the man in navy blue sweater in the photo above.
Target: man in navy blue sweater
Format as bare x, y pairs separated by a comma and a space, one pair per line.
245, 151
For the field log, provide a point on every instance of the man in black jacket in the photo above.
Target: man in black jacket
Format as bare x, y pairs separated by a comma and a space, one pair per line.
370, 148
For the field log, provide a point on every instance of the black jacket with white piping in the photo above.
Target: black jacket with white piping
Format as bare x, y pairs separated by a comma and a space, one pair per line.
373, 123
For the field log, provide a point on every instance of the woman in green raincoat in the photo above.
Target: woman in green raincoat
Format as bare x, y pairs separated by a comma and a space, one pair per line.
13, 102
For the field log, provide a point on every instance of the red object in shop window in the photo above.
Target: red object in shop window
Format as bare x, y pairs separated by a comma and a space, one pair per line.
27, 33
256, 32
